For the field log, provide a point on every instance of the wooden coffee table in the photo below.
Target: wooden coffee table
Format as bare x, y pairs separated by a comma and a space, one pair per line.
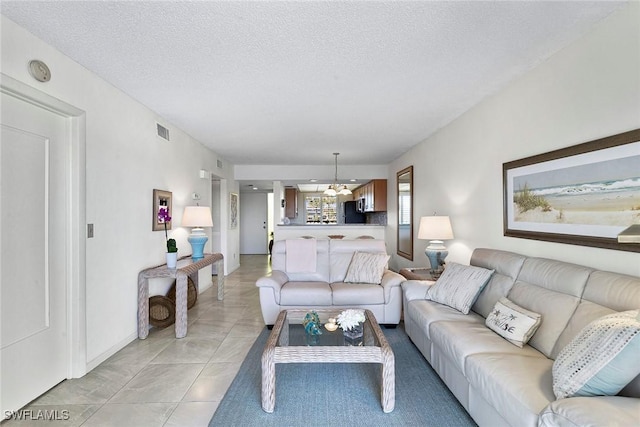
330, 349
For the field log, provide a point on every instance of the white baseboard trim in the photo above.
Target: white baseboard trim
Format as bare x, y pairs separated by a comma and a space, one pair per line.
206, 286
96, 361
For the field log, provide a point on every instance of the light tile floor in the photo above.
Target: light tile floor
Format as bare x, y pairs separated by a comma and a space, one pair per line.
164, 381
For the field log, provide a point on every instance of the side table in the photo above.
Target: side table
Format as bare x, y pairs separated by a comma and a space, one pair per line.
417, 273
184, 269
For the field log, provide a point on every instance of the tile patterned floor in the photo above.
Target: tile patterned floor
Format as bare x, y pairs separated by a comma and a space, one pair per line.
163, 381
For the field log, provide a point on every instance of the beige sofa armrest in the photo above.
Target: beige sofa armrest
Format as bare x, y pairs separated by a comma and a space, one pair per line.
416, 289
274, 280
389, 281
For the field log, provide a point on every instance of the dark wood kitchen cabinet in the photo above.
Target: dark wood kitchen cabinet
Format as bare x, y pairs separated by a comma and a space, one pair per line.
290, 202
374, 195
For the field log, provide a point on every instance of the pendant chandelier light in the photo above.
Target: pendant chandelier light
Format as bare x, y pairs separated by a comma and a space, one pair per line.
336, 188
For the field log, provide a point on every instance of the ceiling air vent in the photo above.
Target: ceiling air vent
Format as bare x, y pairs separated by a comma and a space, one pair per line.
219, 164
163, 132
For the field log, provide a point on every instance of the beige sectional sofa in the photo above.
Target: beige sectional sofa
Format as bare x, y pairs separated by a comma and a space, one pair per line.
325, 286
501, 384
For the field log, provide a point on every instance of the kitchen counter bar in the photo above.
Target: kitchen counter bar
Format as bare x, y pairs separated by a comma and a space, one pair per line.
322, 231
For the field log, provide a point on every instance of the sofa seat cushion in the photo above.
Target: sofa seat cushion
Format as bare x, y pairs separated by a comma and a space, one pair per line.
305, 293
424, 313
516, 385
357, 293
459, 340
591, 411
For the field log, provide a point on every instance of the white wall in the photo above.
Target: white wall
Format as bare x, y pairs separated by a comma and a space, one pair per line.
589, 90
125, 161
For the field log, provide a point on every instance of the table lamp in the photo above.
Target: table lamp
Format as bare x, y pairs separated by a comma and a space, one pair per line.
197, 217
435, 229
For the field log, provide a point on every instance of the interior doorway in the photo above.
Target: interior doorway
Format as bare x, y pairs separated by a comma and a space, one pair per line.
253, 224
42, 225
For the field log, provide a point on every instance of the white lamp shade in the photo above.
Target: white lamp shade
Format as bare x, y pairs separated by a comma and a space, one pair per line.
435, 228
345, 191
330, 191
197, 216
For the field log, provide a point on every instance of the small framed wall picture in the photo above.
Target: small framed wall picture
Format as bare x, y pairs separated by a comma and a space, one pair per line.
233, 208
161, 200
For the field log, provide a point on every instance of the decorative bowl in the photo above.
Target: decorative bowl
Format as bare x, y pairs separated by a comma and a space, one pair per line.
331, 326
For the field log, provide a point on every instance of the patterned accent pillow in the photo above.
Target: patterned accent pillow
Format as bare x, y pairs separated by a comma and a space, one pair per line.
366, 267
602, 359
512, 322
459, 286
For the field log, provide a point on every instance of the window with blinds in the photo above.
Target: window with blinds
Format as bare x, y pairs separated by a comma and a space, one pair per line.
404, 207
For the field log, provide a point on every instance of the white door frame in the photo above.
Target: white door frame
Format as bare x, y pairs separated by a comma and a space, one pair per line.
75, 244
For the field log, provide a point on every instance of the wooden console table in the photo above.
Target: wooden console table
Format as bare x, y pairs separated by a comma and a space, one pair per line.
185, 268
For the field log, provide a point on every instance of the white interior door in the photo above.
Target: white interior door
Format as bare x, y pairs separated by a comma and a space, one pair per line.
33, 262
253, 223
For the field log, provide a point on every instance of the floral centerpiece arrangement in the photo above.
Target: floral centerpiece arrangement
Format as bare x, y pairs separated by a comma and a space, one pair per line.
350, 319
172, 249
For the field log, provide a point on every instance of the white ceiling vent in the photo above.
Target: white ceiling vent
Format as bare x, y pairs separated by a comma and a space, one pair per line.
163, 132
219, 163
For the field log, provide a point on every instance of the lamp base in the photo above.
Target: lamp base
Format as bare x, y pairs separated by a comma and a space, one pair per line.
436, 252
197, 239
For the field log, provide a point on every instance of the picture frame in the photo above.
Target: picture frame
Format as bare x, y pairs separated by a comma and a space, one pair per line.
233, 210
161, 199
585, 194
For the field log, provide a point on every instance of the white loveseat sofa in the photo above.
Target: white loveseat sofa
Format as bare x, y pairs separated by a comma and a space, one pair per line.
325, 287
500, 384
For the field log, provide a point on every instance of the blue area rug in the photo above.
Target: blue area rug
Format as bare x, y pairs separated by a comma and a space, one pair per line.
339, 395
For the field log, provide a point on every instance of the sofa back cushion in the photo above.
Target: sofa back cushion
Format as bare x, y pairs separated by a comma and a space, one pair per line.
552, 289
279, 262
604, 293
506, 266
341, 252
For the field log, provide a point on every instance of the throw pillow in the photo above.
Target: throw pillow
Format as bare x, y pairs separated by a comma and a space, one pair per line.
602, 359
512, 322
459, 286
366, 267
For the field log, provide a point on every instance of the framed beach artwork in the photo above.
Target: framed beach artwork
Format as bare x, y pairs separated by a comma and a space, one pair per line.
581, 195
233, 210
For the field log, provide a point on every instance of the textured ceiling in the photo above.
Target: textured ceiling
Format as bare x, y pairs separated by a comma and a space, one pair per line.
292, 82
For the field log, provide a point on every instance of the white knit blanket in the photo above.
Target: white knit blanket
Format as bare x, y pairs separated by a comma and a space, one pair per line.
300, 255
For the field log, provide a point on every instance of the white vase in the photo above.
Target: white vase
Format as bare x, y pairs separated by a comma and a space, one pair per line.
172, 259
